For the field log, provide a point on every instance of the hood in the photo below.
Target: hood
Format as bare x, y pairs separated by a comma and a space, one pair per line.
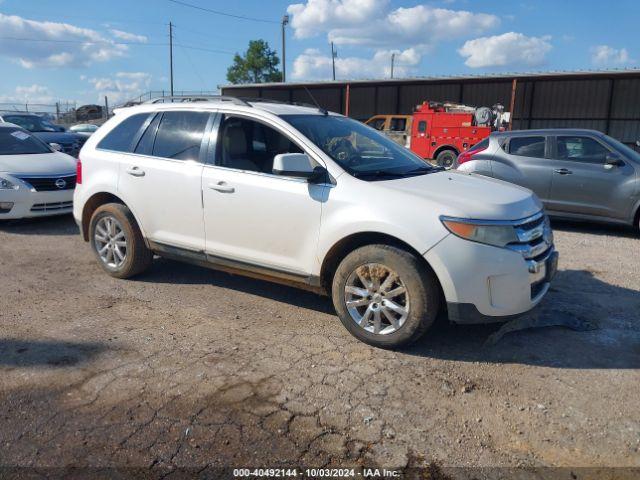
470, 196
40, 164
59, 137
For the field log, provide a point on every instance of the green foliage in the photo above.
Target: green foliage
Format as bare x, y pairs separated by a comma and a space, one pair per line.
258, 65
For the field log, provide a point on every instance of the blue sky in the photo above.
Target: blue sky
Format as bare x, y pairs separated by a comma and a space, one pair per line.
82, 50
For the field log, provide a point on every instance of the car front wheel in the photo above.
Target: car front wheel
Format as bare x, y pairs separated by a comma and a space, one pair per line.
117, 241
385, 296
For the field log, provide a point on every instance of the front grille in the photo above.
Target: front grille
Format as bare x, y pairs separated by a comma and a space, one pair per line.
535, 238
51, 207
48, 184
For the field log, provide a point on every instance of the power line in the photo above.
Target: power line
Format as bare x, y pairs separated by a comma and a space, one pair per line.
212, 50
225, 14
103, 42
81, 42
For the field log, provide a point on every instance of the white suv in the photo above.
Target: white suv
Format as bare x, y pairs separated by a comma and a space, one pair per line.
310, 198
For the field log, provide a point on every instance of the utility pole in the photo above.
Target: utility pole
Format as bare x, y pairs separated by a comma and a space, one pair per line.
285, 21
106, 108
393, 59
334, 54
171, 56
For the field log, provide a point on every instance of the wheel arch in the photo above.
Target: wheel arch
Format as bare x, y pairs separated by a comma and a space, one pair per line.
93, 203
348, 244
442, 148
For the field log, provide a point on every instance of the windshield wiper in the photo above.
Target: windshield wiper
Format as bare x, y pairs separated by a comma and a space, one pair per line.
425, 170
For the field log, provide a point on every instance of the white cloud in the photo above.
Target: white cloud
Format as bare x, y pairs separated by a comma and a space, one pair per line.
55, 45
121, 87
508, 49
29, 94
604, 55
313, 65
372, 23
128, 37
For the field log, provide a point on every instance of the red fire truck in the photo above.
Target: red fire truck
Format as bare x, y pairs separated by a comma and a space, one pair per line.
441, 130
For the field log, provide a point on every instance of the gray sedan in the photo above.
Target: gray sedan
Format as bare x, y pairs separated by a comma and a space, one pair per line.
581, 174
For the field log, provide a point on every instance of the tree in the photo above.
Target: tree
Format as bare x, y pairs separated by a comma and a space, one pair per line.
258, 65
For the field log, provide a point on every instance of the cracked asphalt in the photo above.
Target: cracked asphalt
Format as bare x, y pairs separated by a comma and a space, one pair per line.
190, 368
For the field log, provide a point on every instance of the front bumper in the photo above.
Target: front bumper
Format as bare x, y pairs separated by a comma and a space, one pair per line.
28, 203
484, 284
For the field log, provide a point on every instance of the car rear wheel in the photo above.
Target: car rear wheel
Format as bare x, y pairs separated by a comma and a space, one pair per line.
446, 158
385, 296
117, 241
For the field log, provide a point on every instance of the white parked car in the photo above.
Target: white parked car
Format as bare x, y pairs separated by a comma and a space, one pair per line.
84, 129
35, 180
306, 197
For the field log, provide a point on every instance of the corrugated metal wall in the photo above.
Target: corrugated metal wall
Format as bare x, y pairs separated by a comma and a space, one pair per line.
609, 102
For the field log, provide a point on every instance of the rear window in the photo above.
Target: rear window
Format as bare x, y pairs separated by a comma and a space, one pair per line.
527, 146
15, 141
120, 138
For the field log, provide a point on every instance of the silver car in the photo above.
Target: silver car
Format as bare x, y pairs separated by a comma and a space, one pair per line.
581, 174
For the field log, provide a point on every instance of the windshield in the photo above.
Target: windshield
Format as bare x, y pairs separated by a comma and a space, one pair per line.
15, 141
624, 149
359, 149
33, 123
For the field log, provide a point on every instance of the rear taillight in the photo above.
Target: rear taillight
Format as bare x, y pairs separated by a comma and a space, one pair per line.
79, 171
468, 155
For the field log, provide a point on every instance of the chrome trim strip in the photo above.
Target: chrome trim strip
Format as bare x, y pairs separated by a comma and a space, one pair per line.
52, 175
480, 222
530, 251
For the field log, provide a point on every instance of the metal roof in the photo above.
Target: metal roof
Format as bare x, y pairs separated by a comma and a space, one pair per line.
502, 76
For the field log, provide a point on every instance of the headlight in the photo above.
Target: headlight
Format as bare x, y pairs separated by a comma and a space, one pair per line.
477, 231
7, 185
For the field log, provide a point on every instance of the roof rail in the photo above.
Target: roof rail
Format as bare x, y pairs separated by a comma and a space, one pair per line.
198, 98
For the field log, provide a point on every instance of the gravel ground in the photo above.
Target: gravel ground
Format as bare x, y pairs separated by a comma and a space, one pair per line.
187, 367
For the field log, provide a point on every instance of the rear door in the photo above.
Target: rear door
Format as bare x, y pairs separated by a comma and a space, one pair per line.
523, 160
162, 178
582, 183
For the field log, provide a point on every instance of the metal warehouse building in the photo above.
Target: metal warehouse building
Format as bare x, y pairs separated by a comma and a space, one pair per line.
608, 101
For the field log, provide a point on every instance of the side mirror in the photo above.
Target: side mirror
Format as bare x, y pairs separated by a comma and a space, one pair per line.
56, 146
295, 165
637, 143
613, 160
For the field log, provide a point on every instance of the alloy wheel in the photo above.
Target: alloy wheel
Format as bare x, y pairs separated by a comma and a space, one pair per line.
110, 242
377, 299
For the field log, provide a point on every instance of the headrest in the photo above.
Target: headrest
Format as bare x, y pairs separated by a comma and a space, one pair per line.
235, 140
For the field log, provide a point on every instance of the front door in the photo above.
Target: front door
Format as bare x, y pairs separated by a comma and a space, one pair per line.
582, 182
162, 178
251, 215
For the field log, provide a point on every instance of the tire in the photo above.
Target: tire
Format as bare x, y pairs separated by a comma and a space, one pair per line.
134, 257
446, 158
419, 282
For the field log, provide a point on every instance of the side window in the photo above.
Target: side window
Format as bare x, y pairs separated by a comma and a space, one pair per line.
377, 123
527, 146
145, 145
121, 137
248, 145
581, 149
180, 135
398, 124
422, 126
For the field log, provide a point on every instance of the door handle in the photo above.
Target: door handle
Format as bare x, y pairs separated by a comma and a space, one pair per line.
221, 187
135, 171
563, 171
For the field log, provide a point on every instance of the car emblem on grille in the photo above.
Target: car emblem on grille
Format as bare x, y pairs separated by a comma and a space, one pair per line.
61, 183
